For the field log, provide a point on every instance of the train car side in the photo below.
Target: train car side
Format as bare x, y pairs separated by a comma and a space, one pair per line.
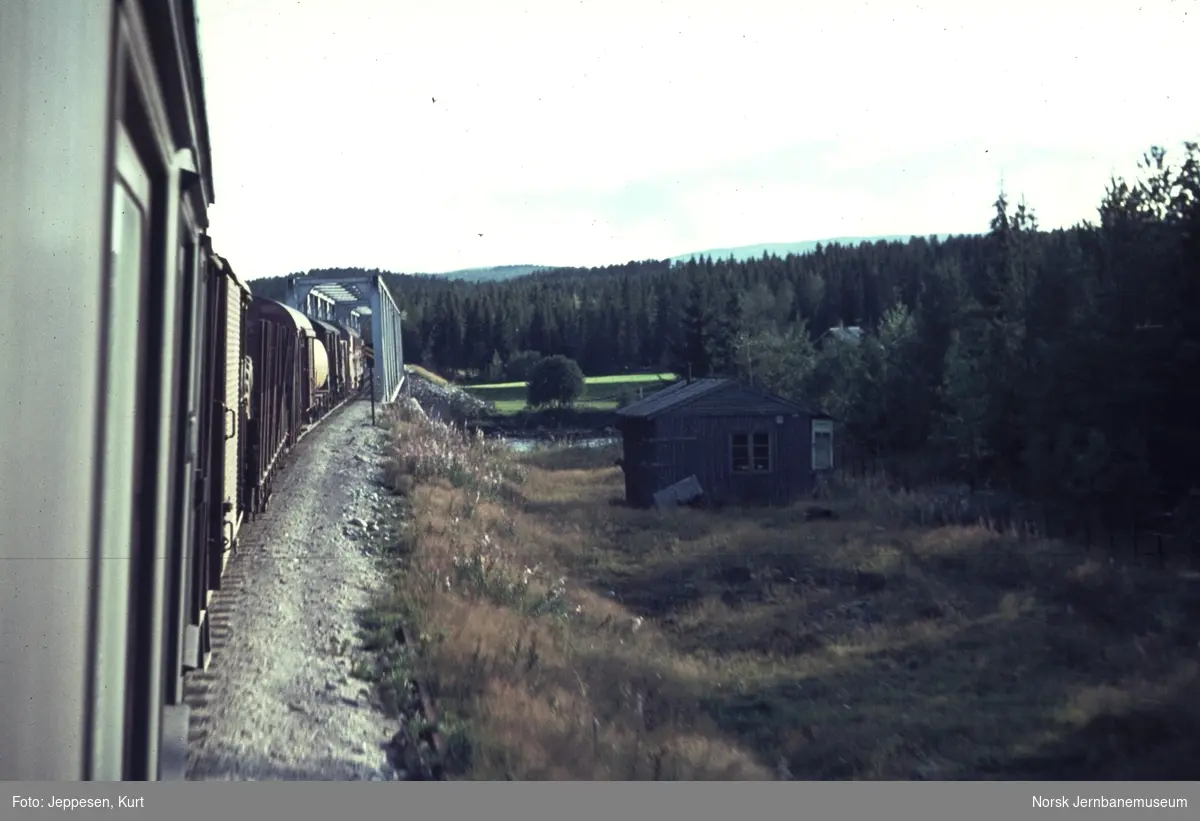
104, 166
355, 369
339, 366
219, 504
156, 424
289, 365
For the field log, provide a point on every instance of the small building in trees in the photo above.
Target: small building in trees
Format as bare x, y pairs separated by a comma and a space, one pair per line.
851, 335
743, 446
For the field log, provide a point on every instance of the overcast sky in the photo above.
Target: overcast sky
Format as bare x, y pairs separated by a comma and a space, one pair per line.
595, 132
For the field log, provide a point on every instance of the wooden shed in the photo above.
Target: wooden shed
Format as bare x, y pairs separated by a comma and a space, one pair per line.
743, 445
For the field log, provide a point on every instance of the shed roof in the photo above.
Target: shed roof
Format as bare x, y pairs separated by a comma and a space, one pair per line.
684, 393
852, 334
673, 396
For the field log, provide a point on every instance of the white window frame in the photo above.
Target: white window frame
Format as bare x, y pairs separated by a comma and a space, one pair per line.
820, 427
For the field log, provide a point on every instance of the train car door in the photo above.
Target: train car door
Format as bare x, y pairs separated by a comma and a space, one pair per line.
179, 638
139, 489
123, 522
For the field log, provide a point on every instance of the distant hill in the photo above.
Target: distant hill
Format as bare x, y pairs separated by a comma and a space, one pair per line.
499, 273
269, 287
782, 249
495, 273
741, 252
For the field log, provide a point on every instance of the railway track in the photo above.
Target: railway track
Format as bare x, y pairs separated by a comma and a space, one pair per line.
279, 700
130, 472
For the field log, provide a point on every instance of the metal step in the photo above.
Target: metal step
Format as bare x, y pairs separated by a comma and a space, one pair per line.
173, 755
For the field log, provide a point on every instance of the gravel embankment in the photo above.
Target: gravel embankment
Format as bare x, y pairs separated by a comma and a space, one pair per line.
446, 403
279, 701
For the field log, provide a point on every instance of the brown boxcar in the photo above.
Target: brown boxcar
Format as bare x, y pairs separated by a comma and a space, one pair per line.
289, 366
219, 508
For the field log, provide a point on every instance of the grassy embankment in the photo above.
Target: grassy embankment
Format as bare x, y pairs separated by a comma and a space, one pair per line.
570, 638
600, 392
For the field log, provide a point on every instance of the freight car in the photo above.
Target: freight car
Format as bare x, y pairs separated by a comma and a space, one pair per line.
140, 442
356, 360
330, 337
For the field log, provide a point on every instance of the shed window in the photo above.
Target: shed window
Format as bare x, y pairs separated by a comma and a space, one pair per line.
751, 452
822, 444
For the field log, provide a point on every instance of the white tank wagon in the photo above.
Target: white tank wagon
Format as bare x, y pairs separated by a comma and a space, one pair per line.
338, 347
320, 365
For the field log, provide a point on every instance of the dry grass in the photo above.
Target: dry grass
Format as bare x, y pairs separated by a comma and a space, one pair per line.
569, 637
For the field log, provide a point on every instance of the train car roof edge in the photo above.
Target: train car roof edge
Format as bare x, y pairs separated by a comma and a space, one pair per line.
227, 269
195, 60
300, 319
342, 326
328, 326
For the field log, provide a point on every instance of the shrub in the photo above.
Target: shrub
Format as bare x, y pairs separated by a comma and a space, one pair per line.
555, 380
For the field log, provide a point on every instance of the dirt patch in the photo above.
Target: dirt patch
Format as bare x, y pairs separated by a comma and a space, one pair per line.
280, 700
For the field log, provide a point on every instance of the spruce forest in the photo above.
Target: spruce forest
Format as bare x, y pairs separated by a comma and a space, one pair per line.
1060, 365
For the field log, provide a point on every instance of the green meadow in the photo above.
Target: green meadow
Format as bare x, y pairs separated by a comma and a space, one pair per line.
600, 392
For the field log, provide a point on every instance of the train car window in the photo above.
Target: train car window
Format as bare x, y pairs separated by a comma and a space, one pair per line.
119, 534
191, 334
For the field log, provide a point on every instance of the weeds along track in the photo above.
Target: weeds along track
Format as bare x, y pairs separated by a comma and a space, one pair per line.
570, 637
